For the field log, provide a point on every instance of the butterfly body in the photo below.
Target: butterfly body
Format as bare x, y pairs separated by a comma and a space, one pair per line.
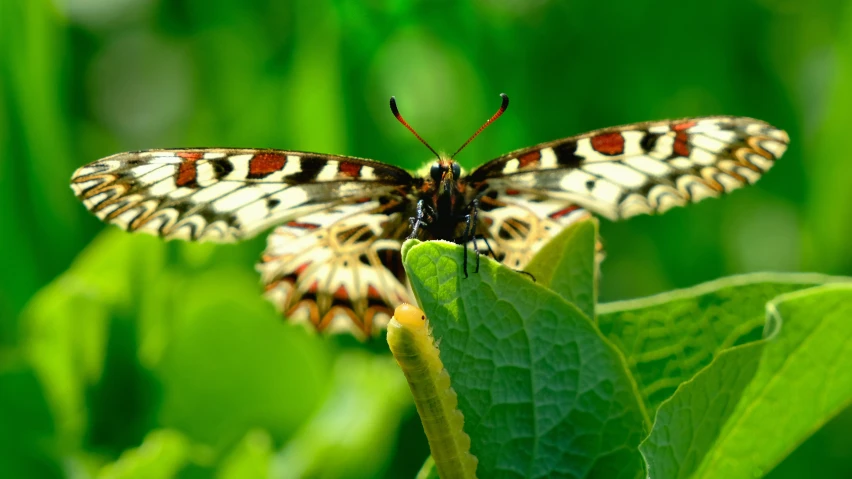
333, 257
443, 201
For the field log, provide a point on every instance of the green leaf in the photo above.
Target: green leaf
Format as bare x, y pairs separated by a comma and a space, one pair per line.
250, 458
801, 382
28, 445
566, 264
207, 354
669, 337
541, 391
428, 471
66, 324
353, 433
779, 389
162, 455
229, 364
689, 422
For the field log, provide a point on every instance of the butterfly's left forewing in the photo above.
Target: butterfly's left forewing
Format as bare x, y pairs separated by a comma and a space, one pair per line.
225, 194
642, 168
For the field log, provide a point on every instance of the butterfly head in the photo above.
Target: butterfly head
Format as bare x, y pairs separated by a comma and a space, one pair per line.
445, 174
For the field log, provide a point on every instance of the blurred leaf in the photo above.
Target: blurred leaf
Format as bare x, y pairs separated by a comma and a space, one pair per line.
28, 446
827, 69
161, 455
352, 433
541, 391
121, 328
230, 364
125, 394
668, 338
316, 75
36, 206
566, 264
250, 458
66, 325
428, 471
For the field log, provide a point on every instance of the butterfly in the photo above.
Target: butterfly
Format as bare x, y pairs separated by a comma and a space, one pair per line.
333, 261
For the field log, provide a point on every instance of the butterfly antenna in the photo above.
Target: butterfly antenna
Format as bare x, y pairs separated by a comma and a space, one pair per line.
490, 120
399, 117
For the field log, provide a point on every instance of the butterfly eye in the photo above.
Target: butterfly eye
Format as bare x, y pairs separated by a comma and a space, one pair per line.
456, 170
436, 173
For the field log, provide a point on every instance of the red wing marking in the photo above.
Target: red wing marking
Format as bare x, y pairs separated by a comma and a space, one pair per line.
190, 155
299, 270
304, 226
341, 293
681, 144
530, 158
683, 126
373, 293
609, 143
187, 172
263, 164
559, 214
350, 169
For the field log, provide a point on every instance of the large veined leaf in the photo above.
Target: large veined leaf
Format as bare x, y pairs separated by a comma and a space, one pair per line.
542, 392
711, 364
754, 403
669, 337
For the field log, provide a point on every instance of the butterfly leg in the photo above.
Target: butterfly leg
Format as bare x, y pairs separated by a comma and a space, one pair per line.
487, 244
423, 216
469, 230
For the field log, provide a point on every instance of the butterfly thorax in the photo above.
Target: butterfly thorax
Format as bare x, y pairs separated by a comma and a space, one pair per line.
443, 195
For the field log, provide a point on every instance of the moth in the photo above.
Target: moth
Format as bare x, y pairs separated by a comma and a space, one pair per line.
332, 260
414, 349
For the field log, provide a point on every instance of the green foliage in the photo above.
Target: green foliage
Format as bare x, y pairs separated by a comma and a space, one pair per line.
572, 276
802, 381
668, 338
201, 358
162, 454
536, 376
778, 389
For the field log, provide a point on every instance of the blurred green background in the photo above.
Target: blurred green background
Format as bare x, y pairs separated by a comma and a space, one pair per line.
123, 356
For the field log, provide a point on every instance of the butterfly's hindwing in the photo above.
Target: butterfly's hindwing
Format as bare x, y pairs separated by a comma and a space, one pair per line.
643, 168
339, 270
224, 194
517, 225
